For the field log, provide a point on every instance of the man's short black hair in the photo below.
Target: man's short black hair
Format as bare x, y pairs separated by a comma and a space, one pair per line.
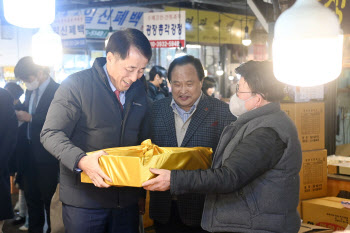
184, 60
120, 43
161, 71
14, 89
261, 80
208, 82
26, 67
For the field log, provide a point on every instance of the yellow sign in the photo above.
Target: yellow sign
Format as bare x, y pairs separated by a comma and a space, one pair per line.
9, 74
231, 26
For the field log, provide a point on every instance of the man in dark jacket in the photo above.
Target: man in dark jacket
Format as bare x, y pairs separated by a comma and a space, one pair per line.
8, 135
102, 107
156, 88
40, 168
189, 119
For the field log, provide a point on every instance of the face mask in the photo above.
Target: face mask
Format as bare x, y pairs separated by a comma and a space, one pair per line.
237, 105
33, 85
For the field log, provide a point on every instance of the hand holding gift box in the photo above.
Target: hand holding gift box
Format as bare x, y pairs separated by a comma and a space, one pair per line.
130, 166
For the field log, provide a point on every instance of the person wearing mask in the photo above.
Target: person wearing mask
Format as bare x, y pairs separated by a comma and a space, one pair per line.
187, 119
209, 85
254, 179
101, 107
8, 136
156, 88
40, 168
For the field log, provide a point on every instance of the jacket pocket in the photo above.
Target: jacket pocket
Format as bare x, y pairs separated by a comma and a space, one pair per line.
249, 197
232, 209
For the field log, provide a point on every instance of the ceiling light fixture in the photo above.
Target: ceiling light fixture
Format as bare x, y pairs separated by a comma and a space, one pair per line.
246, 40
219, 70
110, 26
308, 44
29, 13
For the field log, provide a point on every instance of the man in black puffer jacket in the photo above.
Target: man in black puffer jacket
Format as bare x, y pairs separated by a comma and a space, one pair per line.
102, 107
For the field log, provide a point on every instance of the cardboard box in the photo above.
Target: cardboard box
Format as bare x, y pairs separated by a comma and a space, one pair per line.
326, 212
303, 94
313, 174
310, 123
307, 228
299, 210
336, 184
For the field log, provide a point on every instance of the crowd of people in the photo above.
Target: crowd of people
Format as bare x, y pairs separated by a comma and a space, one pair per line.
45, 140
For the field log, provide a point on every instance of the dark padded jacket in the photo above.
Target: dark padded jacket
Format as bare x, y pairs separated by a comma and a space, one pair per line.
253, 185
84, 116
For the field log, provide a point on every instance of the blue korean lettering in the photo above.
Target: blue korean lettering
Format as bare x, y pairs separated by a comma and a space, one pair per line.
160, 29
121, 16
81, 28
179, 28
72, 30
104, 17
148, 30
135, 17
167, 27
63, 30
89, 15
173, 29
154, 27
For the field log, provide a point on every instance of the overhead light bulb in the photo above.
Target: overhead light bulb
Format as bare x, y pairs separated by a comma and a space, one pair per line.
180, 52
47, 47
246, 40
29, 13
231, 76
219, 71
308, 44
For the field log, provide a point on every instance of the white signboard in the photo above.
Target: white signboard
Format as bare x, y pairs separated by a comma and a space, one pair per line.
70, 27
165, 29
98, 20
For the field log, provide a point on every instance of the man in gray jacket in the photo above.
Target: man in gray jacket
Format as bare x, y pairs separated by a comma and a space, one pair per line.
253, 185
102, 107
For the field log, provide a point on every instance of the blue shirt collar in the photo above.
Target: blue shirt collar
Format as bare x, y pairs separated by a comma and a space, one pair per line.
182, 112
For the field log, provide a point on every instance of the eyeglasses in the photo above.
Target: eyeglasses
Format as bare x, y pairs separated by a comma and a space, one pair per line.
237, 90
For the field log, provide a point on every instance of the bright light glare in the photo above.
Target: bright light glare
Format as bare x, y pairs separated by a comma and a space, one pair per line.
304, 63
246, 42
219, 71
47, 47
29, 13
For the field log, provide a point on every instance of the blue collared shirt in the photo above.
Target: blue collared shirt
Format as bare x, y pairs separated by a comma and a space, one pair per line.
182, 113
122, 93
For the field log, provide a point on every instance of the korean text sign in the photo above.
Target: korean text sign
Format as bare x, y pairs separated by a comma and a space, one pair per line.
165, 29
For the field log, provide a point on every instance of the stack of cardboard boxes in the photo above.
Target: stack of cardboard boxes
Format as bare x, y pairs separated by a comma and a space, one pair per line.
315, 208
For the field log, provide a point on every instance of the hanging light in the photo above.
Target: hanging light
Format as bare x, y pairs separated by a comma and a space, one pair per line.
47, 47
246, 40
180, 52
231, 77
110, 27
29, 13
307, 46
219, 70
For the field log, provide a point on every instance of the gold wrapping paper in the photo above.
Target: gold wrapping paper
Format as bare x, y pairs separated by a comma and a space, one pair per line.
129, 166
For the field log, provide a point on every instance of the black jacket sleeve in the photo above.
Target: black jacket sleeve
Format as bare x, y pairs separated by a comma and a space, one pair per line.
256, 153
62, 117
8, 129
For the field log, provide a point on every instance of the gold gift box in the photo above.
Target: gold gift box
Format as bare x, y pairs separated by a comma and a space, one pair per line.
129, 166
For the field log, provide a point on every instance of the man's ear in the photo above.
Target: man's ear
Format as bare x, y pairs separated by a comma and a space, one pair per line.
110, 57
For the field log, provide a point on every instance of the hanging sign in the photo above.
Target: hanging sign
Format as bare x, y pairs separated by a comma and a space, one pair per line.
165, 29
207, 28
70, 27
98, 20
